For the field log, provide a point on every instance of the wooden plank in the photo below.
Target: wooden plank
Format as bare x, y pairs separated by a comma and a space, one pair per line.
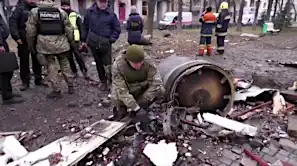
74, 147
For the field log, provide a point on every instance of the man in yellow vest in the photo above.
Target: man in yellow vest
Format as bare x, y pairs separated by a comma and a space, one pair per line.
76, 22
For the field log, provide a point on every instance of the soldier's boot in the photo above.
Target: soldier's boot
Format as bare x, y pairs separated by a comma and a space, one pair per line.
104, 86
118, 113
40, 82
86, 76
209, 50
294, 86
54, 94
75, 75
71, 90
24, 87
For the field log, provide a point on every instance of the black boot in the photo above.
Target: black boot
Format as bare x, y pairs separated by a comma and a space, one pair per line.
13, 100
54, 94
104, 87
70, 89
40, 82
24, 87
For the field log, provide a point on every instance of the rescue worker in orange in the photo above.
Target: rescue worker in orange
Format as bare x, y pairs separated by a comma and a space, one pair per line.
222, 27
208, 20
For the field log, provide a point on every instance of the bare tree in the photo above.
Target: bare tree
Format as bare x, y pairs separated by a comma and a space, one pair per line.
239, 21
269, 8
201, 7
295, 11
256, 14
275, 7
179, 16
191, 5
234, 11
172, 5
150, 17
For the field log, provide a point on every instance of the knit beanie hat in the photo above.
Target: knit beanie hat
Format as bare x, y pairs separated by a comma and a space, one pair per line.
135, 53
65, 2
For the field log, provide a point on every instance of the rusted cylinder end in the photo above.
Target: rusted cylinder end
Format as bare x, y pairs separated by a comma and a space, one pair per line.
197, 83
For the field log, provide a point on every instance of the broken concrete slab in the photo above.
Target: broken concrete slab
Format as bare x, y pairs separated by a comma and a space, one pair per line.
161, 154
286, 143
246, 161
230, 124
279, 103
12, 148
292, 126
75, 147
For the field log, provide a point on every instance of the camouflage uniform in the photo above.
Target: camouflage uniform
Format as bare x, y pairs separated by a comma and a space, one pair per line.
50, 47
132, 88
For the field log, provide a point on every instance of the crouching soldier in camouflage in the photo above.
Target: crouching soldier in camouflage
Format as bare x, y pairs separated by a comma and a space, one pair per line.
136, 83
51, 29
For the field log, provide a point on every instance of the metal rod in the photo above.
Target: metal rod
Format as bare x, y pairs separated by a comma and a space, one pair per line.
252, 109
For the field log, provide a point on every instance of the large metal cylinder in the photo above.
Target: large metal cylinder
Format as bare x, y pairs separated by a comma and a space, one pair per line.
197, 83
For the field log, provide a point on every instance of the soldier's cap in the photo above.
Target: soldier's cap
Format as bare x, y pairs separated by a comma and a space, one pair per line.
135, 53
103, 1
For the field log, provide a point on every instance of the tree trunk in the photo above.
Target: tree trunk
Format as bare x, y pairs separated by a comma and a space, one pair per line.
179, 16
172, 5
201, 7
295, 12
217, 5
275, 7
239, 21
150, 17
268, 12
256, 14
234, 11
281, 5
191, 5
204, 5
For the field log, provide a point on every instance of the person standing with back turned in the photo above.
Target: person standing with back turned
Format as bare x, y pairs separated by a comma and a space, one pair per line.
222, 27
101, 29
76, 23
208, 20
17, 23
53, 32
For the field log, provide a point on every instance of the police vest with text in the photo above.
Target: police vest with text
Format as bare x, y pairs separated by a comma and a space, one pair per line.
73, 18
135, 25
50, 21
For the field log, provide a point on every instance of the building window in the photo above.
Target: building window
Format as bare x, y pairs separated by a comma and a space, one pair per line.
133, 2
144, 8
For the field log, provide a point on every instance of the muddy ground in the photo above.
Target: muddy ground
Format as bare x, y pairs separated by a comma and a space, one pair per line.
50, 119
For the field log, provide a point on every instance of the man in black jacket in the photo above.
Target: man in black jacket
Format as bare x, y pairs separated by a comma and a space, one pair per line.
5, 85
101, 29
17, 23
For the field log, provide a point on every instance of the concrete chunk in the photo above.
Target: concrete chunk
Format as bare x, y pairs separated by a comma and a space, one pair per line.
246, 161
286, 143
292, 126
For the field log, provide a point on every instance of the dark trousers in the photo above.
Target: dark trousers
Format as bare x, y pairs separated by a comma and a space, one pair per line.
24, 55
220, 44
5, 85
205, 40
5, 78
102, 57
78, 58
205, 43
